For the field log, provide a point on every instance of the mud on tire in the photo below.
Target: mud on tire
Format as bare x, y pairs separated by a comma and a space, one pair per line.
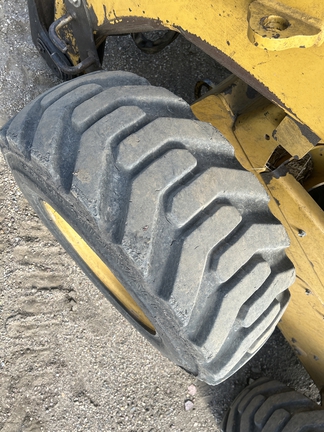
161, 199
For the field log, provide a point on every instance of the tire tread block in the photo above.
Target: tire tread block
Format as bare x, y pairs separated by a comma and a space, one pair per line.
95, 166
269, 406
189, 284
277, 421
306, 421
223, 307
146, 201
152, 141
276, 284
292, 399
251, 240
249, 340
216, 183
54, 147
151, 100
102, 79
247, 418
20, 132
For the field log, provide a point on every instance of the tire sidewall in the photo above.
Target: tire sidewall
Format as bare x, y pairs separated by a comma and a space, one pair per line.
36, 187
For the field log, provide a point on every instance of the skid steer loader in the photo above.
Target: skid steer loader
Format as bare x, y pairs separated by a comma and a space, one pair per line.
202, 225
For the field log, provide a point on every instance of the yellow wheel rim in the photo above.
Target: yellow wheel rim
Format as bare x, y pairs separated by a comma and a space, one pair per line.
99, 268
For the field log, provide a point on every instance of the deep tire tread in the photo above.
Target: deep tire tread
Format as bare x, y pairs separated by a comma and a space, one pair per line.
27, 120
269, 406
167, 191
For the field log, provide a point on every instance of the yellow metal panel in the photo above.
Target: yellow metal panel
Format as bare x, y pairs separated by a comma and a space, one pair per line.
294, 76
257, 128
302, 323
288, 135
276, 26
66, 33
60, 9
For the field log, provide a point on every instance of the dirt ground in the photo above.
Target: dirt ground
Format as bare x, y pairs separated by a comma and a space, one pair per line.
68, 361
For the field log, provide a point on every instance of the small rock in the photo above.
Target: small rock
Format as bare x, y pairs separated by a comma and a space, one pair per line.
188, 405
192, 390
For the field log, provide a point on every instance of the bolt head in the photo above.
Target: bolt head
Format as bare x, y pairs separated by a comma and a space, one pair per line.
76, 3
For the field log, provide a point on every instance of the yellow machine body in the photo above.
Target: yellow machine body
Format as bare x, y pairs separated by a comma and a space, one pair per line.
291, 77
277, 50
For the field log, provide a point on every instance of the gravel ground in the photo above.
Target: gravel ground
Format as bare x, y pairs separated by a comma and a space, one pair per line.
68, 360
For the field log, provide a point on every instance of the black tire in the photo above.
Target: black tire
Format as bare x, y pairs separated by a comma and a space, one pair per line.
163, 202
269, 406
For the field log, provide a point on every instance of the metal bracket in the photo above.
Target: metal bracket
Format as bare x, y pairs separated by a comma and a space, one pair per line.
83, 34
63, 47
275, 27
53, 32
54, 50
56, 60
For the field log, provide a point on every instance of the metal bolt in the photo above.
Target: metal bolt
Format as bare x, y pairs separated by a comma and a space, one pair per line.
76, 3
